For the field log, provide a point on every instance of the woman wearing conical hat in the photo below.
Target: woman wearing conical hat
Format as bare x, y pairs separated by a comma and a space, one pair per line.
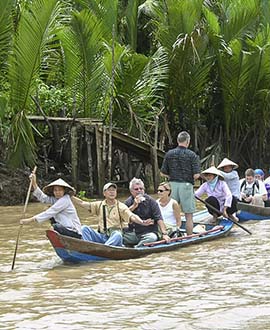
231, 177
62, 210
218, 192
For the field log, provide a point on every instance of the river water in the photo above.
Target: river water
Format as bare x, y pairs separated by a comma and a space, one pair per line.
223, 284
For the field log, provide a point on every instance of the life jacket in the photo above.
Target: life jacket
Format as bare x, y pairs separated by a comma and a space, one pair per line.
255, 185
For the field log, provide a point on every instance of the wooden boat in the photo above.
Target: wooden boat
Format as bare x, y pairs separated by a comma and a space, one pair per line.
75, 250
252, 212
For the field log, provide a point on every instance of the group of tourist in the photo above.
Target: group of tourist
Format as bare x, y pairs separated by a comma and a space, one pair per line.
142, 219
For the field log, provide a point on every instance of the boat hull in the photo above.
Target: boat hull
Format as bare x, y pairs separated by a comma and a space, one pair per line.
252, 212
74, 250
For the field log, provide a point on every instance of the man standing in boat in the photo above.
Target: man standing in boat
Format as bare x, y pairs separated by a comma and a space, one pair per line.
113, 217
147, 209
182, 167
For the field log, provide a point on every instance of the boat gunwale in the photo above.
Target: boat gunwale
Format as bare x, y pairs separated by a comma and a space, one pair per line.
254, 209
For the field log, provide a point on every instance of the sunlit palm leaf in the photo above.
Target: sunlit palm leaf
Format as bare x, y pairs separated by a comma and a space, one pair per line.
33, 33
6, 29
83, 59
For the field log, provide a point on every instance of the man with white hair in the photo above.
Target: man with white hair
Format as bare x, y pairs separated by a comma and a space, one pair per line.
147, 209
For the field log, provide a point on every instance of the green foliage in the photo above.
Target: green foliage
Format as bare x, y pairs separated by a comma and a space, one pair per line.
198, 60
55, 101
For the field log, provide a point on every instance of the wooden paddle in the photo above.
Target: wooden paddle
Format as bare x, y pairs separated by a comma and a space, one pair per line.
220, 213
182, 238
24, 211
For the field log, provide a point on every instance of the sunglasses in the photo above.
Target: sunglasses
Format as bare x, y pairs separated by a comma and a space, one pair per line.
139, 188
162, 190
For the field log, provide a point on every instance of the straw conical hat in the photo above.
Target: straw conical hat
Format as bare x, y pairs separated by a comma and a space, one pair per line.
227, 162
59, 182
213, 170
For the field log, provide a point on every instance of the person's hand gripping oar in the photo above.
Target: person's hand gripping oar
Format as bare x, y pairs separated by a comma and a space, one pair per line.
24, 211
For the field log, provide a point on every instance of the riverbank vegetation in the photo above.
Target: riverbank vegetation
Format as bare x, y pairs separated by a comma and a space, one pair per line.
203, 66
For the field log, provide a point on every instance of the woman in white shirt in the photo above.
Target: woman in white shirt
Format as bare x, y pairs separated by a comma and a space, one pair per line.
62, 210
170, 209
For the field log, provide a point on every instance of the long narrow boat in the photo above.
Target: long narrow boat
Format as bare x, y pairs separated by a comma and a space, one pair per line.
75, 250
252, 212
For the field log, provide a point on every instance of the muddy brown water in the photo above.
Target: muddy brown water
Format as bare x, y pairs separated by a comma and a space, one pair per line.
223, 284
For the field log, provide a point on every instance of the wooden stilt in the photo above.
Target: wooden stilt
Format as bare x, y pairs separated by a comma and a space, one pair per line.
89, 140
74, 155
100, 162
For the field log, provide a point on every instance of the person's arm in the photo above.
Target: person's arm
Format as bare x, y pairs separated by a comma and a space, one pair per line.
201, 190
164, 175
261, 191
27, 220
135, 218
80, 202
137, 200
163, 231
177, 214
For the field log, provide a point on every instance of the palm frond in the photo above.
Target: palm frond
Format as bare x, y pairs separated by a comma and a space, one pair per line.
6, 29
83, 48
240, 18
131, 22
33, 33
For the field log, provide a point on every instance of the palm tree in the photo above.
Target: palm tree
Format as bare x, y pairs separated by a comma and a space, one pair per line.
36, 29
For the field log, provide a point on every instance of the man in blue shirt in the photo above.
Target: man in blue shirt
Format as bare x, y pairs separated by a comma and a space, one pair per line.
148, 210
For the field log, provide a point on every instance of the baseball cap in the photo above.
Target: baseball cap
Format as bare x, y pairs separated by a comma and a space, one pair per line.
108, 185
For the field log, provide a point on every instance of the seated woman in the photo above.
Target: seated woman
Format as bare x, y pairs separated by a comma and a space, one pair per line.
170, 209
219, 194
62, 210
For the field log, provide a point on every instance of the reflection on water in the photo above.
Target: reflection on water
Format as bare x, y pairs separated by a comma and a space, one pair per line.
222, 284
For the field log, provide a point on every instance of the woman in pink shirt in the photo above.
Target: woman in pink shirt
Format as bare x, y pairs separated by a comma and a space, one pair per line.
219, 194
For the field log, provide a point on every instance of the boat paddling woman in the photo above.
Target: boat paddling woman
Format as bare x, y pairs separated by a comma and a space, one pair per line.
63, 211
219, 194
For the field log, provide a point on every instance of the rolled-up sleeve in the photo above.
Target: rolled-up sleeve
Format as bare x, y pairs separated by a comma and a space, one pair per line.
43, 198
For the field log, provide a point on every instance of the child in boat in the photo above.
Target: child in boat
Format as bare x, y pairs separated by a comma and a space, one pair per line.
62, 210
219, 194
231, 177
113, 216
252, 191
170, 209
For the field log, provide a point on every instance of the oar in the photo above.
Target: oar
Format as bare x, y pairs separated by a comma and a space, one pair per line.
24, 211
220, 213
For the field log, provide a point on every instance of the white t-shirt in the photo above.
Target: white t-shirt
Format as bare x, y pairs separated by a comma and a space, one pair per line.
250, 189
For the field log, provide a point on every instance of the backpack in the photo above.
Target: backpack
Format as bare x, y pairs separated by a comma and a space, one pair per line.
255, 184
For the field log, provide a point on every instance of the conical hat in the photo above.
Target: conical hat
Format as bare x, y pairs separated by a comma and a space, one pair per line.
213, 170
59, 182
227, 162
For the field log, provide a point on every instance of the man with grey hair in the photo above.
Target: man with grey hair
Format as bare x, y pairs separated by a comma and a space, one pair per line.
148, 210
182, 166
